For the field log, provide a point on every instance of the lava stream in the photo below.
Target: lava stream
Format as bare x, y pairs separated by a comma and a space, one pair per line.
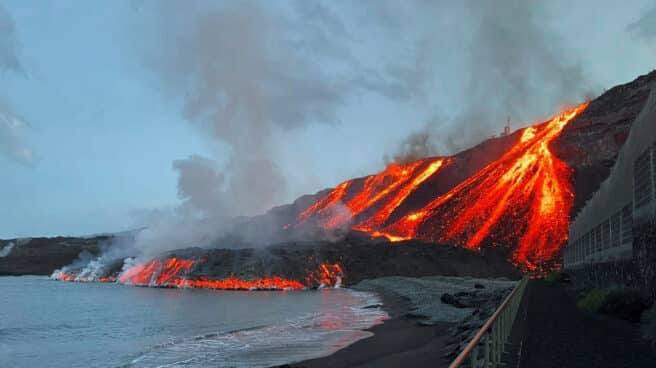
382, 192
521, 200
176, 272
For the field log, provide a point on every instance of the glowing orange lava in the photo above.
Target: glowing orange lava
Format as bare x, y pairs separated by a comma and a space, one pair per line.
382, 192
326, 275
174, 272
521, 200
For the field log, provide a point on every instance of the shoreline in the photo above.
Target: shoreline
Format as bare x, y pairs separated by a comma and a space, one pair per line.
398, 341
431, 319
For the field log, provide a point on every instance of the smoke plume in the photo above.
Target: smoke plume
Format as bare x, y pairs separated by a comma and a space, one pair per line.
243, 81
245, 73
514, 66
8, 43
4, 251
415, 146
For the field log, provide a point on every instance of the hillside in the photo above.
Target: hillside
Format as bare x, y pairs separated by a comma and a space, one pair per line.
508, 199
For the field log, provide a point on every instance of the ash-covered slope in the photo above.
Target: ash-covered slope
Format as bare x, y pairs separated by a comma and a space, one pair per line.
517, 192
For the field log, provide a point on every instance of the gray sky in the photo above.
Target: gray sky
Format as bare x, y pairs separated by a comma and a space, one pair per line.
112, 110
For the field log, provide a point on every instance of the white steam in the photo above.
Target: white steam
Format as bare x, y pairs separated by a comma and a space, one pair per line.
7, 249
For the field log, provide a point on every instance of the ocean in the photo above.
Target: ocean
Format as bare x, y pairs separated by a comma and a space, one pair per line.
47, 323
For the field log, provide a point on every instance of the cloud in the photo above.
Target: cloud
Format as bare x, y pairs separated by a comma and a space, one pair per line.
9, 60
12, 126
645, 26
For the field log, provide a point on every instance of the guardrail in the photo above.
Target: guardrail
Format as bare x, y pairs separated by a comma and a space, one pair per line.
494, 334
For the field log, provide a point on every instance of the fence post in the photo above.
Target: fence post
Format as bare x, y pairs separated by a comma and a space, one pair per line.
474, 357
487, 350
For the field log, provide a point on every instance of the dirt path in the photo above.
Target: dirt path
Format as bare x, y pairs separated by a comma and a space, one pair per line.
557, 334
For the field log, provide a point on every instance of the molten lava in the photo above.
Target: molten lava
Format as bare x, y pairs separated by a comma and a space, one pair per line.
174, 272
521, 200
382, 192
326, 275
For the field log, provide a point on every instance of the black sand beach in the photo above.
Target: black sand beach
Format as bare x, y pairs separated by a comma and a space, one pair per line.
400, 341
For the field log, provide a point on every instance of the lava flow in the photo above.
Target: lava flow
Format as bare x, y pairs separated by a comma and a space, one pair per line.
175, 272
382, 192
521, 201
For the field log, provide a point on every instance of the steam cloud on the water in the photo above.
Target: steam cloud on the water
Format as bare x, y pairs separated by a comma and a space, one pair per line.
12, 126
5, 250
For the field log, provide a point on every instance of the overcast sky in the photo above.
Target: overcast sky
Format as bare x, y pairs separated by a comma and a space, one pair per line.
113, 109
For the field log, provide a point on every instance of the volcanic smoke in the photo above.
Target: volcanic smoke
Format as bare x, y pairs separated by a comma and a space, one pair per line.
520, 201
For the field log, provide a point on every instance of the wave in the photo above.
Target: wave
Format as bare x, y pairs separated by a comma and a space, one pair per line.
308, 336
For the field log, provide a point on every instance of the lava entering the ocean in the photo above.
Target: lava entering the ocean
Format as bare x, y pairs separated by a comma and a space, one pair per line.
73, 277
521, 200
176, 272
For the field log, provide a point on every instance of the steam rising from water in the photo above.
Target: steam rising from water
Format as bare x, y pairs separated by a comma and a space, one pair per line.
4, 251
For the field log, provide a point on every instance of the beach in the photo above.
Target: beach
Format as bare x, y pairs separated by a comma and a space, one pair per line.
423, 330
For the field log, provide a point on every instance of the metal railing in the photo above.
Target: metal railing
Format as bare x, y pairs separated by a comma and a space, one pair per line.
492, 337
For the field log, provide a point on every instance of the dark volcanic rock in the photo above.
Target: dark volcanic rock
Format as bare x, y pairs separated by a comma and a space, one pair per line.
41, 256
361, 258
589, 144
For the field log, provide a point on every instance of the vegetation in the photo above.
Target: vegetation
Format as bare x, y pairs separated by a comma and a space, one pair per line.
593, 301
626, 304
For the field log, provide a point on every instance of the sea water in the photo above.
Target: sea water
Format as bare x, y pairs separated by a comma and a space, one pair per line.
47, 323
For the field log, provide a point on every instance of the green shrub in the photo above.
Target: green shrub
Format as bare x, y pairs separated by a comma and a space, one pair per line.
626, 304
593, 301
